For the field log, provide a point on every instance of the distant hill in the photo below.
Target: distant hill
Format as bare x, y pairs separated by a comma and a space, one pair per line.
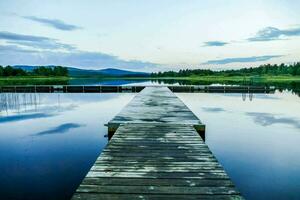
120, 72
27, 68
73, 71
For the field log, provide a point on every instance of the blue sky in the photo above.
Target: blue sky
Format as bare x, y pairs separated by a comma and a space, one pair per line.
148, 35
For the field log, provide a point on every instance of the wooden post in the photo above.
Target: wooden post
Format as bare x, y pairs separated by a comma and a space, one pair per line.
112, 128
200, 128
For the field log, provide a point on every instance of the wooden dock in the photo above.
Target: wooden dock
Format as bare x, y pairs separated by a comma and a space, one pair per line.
156, 153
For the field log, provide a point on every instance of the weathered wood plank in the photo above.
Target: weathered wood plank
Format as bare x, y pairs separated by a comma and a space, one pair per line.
157, 190
159, 182
183, 175
156, 164
95, 196
136, 163
159, 170
154, 150
155, 169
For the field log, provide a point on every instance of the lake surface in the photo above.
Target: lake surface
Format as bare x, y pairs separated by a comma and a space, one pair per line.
48, 142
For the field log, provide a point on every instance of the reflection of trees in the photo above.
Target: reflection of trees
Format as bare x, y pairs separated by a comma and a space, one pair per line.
250, 95
280, 86
244, 96
292, 86
19, 101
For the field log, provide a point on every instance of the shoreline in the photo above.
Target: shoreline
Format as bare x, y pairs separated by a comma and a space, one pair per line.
184, 80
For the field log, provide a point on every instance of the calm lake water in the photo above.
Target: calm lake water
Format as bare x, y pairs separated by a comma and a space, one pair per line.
48, 142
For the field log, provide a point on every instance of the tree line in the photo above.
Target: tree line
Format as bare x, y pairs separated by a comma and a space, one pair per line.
39, 71
267, 69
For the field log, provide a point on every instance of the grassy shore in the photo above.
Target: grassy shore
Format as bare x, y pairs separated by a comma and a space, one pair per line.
34, 80
31, 80
265, 78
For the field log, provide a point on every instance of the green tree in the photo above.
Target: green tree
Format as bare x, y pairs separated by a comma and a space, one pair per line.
266, 69
1, 70
9, 71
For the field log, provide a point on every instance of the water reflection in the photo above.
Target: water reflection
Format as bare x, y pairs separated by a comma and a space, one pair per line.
257, 142
32, 102
52, 141
21, 117
213, 109
59, 129
265, 96
293, 86
255, 147
18, 101
267, 119
250, 96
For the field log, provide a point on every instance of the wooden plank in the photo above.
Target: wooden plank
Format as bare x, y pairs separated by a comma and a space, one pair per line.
154, 169
160, 182
166, 163
163, 159
183, 175
158, 170
157, 190
156, 153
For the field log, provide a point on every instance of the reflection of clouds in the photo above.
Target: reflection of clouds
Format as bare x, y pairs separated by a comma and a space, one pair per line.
59, 129
52, 109
47, 105
44, 112
213, 109
86, 98
266, 96
231, 94
32, 102
267, 119
36, 102
21, 117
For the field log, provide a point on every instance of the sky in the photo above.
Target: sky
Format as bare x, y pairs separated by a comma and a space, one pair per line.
145, 35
